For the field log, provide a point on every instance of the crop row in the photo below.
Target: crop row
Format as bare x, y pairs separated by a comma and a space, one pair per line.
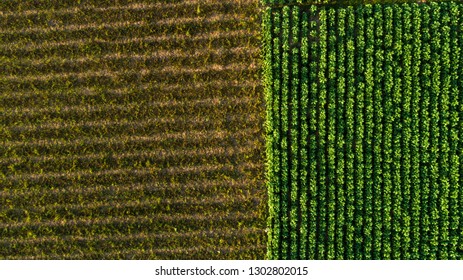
126, 44
229, 236
74, 15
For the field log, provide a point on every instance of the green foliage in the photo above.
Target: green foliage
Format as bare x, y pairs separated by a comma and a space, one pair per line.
340, 99
350, 96
321, 137
285, 138
455, 120
357, 146
415, 112
387, 133
304, 171
294, 146
425, 83
370, 132
397, 127
313, 140
378, 116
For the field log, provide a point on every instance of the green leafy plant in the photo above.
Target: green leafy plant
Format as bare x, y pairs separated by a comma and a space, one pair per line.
366, 131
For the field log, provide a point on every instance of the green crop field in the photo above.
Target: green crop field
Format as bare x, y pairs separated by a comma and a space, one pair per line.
137, 129
131, 129
364, 130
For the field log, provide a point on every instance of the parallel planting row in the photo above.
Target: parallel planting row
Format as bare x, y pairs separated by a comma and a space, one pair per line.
131, 130
364, 131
